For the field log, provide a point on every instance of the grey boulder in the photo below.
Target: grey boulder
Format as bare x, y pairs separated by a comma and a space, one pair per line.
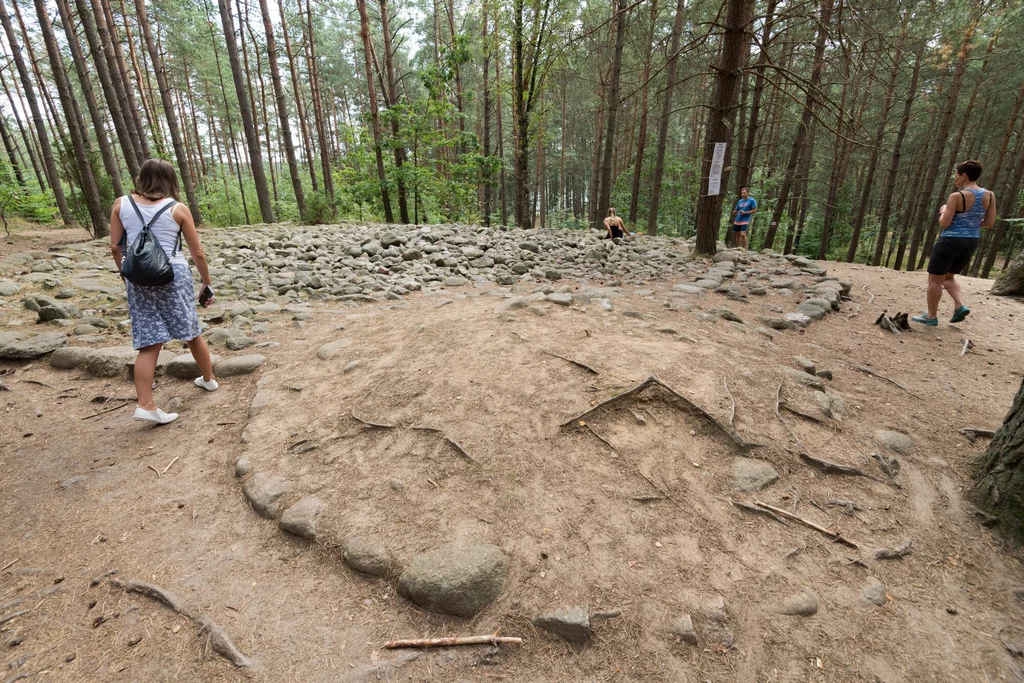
238, 365
895, 441
571, 624
459, 579
33, 347
366, 556
753, 475
302, 517
264, 492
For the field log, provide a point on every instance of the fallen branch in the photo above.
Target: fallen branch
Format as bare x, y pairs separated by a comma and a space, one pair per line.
865, 289
895, 553
604, 440
38, 383
834, 468
967, 344
732, 411
102, 412
759, 511
973, 434
164, 471
834, 535
368, 423
580, 420
575, 362
459, 449
449, 642
10, 564
154, 469
871, 373
216, 638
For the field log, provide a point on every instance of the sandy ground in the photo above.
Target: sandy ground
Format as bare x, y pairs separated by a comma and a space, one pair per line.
639, 521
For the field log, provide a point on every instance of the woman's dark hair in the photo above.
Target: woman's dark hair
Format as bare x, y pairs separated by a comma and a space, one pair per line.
156, 180
972, 169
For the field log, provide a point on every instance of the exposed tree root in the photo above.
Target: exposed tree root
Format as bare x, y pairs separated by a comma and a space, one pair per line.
737, 441
872, 373
834, 535
216, 638
759, 511
834, 468
579, 364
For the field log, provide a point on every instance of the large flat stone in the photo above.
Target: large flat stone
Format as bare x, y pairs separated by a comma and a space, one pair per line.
33, 347
238, 365
460, 579
265, 493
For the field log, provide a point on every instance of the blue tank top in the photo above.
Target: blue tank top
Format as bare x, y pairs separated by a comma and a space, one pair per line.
968, 223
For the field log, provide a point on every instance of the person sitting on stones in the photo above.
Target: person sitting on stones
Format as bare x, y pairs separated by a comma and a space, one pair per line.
162, 313
615, 225
969, 209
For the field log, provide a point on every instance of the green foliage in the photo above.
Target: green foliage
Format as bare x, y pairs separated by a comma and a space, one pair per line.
319, 209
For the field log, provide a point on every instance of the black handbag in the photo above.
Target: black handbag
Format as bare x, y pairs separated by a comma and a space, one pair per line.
145, 263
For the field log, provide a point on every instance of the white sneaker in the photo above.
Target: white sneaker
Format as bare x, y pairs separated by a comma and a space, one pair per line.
209, 386
157, 416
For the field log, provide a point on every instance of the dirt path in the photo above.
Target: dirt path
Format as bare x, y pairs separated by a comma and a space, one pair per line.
642, 528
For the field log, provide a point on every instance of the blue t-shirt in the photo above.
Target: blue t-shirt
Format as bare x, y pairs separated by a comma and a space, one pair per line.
744, 205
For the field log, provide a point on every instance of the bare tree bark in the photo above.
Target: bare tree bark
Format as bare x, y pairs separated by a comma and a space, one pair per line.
746, 153
172, 121
666, 114
487, 182
722, 118
364, 32
318, 110
391, 99
299, 109
641, 142
26, 135
252, 141
282, 110
49, 163
118, 74
12, 151
605, 182
85, 83
75, 126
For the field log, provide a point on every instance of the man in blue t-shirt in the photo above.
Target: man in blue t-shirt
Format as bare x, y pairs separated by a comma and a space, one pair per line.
745, 208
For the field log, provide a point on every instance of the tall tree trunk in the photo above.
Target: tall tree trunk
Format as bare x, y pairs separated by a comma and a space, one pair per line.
364, 32
619, 19
264, 110
502, 183
172, 120
862, 206
12, 151
26, 136
996, 238
49, 163
641, 141
722, 118
945, 121
487, 182
999, 473
113, 101
252, 141
299, 109
897, 150
282, 110
391, 100
666, 114
746, 154
810, 105
118, 71
75, 125
318, 110
98, 124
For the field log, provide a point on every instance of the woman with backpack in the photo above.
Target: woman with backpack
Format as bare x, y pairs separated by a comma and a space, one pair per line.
146, 230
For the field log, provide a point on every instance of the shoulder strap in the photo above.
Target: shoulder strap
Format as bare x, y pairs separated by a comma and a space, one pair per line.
963, 202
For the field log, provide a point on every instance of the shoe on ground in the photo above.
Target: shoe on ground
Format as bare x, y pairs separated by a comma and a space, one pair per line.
209, 386
155, 416
925, 320
959, 314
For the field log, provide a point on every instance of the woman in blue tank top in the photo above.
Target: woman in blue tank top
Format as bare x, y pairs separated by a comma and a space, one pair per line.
965, 213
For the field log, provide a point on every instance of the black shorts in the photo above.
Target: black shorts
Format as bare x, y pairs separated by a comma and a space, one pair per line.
950, 255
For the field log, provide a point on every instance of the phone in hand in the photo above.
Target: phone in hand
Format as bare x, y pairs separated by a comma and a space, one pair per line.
205, 296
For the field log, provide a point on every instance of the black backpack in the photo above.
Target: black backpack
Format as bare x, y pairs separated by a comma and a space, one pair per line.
145, 263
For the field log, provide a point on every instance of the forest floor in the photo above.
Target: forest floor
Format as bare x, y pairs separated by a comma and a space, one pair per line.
632, 514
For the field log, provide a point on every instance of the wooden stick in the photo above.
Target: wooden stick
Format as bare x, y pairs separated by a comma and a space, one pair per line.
759, 511
449, 642
12, 617
799, 413
732, 411
967, 344
606, 441
884, 378
169, 464
154, 469
10, 564
108, 410
368, 423
834, 468
459, 449
575, 362
865, 289
835, 535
